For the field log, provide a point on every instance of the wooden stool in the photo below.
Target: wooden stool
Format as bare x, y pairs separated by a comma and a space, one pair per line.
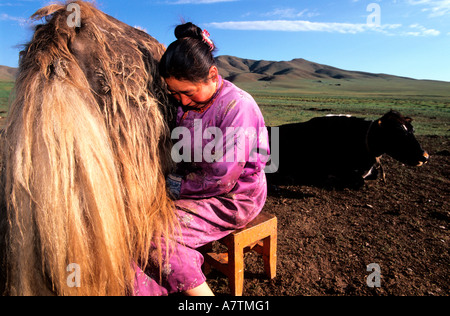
260, 235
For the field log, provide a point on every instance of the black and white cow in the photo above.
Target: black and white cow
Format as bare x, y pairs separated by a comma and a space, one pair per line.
347, 149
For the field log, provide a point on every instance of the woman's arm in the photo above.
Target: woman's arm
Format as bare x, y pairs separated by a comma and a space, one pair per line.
242, 128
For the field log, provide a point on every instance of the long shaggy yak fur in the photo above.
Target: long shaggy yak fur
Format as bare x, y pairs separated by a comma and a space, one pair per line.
86, 150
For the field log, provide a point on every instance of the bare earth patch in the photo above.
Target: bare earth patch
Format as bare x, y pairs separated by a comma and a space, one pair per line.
328, 237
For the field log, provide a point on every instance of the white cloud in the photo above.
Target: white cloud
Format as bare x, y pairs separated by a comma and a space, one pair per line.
302, 26
435, 8
199, 1
330, 27
7, 17
419, 30
16, 3
143, 29
289, 13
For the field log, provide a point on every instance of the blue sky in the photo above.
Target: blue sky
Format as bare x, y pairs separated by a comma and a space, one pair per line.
400, 37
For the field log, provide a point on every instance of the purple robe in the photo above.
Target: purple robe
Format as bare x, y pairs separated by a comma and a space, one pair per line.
224, 149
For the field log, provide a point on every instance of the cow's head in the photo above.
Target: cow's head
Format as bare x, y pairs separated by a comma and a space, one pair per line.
396, 138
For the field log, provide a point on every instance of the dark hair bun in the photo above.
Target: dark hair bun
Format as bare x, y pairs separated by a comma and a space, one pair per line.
190, 57
188, 30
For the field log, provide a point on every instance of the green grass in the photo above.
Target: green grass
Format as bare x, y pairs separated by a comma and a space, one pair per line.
427, 102
5, 91
431, 116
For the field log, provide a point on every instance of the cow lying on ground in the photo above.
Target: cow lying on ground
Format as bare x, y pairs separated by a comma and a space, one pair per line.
346, 149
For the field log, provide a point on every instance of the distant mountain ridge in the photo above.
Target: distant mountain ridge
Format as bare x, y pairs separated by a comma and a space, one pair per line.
237, 69
241, 70
8, 73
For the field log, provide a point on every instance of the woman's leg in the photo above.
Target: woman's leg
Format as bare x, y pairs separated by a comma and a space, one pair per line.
202, 290
201, 222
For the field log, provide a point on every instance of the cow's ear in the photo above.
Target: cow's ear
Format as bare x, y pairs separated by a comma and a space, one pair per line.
408, 120
380, 122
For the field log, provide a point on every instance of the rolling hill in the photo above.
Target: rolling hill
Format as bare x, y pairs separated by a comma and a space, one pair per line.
300, 76
242, 70
237, 69
306, 77
7, 73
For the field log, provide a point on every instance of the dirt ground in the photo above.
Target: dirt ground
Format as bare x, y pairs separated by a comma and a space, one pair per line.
328, 237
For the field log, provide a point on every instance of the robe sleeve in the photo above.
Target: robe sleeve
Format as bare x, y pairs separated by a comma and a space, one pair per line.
240, 126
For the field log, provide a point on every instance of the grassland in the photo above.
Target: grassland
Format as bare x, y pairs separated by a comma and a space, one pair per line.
327, 237
5, 91
427, 102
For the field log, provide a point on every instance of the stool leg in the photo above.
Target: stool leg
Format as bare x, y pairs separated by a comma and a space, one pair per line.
270, 256
206, 268
236, 269
204, 250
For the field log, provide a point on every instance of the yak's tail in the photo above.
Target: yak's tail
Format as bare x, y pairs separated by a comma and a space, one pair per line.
84, 158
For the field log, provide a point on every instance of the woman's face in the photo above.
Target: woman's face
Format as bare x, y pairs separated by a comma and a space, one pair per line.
193, 94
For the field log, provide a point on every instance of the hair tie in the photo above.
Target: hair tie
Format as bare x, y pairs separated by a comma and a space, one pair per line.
207, 40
